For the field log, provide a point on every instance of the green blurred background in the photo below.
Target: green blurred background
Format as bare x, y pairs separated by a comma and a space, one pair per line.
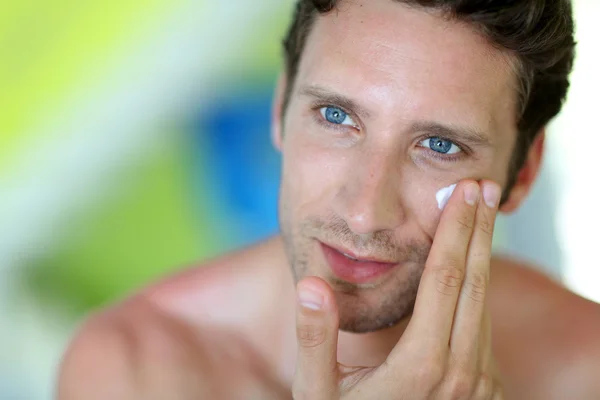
134, 141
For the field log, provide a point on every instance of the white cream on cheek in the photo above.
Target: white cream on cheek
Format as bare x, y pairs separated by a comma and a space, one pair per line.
443, 195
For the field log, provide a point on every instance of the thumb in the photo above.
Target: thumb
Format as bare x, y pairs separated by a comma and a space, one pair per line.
317, 324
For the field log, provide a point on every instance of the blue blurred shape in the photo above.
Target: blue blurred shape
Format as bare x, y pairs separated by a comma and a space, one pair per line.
240, 162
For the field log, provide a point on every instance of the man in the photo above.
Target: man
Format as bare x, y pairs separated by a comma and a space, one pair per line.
382, 104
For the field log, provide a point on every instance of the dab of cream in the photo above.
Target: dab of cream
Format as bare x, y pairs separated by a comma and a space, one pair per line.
443, 195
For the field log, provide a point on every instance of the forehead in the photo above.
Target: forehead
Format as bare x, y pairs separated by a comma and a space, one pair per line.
411, 62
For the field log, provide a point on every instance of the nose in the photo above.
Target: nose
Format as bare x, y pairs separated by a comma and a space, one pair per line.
369, 199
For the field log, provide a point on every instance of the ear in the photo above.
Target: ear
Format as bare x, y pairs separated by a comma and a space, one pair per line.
527, 175
276, 112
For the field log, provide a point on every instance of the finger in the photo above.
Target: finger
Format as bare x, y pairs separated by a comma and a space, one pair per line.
445, 268
486, 357
485, 388
498, 394
465, 341
317, 324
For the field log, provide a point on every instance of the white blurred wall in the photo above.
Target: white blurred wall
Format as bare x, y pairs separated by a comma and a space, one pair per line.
559, 226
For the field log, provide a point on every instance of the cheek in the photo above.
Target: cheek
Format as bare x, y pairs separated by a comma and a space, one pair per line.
420, 203
311, 173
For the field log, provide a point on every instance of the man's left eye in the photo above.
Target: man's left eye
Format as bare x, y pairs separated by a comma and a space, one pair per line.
441, 145
336, 116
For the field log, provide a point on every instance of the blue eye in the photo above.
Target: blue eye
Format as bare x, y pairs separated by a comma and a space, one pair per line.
441, 145
336, 116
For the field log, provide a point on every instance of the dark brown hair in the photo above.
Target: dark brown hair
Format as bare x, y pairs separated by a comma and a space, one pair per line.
539, 33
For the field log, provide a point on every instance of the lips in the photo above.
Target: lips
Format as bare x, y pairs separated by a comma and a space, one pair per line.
353, 269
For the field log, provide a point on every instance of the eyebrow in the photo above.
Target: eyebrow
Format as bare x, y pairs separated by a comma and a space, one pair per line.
461, 134
328, 97
470, 135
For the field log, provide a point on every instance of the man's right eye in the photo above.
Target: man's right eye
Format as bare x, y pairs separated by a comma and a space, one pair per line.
336, 116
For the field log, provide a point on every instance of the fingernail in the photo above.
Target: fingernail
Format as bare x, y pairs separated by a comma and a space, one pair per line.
471, 193
491, 194
310, 299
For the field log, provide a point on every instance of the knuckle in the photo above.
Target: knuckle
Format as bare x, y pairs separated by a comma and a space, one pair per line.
498, 393
475, 286
429, 375
311, 335
485, 387
426, 378
430, 369
465, 221
460, 385
486, 225
299, 392
448, 279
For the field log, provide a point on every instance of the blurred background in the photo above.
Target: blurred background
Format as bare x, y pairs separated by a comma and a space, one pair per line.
134, 141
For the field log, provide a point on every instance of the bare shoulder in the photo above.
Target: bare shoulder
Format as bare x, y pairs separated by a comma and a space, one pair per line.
545, 335
232, 290
248, 292
137, 351
194, 325
527, 292
123, 345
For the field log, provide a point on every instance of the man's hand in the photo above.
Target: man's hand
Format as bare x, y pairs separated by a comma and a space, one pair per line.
445, 352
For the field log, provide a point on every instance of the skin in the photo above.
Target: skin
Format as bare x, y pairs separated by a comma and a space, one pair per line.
449, 331
387, 209
227, 329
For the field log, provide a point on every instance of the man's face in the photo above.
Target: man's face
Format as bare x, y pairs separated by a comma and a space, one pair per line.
390, 105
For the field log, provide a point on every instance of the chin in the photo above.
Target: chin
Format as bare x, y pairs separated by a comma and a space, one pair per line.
366, 319
363, 312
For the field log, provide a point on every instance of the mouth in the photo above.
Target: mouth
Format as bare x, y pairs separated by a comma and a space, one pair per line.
352, 268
